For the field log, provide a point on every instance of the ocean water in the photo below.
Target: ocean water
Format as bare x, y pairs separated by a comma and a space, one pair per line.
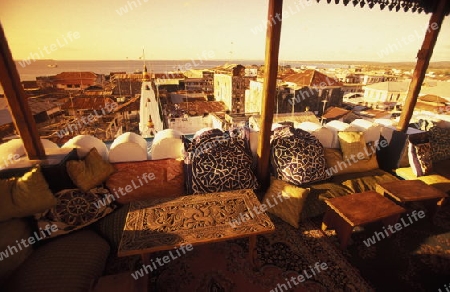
29, 72
37, 68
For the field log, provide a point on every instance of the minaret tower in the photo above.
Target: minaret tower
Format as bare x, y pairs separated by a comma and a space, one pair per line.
145, 75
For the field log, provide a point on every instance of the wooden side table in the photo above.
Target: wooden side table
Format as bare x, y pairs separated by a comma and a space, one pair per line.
405, 191
344, 213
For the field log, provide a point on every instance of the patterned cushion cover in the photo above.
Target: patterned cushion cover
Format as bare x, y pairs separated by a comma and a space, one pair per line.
297, 156
420, 158
440, 141
217, 161
76, 209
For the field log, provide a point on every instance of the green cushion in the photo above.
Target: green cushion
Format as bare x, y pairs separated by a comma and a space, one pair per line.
12, 251
25, 196
319, 192
367, 182
111, 226
69, 263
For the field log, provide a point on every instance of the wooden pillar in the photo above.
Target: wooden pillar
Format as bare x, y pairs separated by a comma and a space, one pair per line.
273, 34
18, 103
423, 60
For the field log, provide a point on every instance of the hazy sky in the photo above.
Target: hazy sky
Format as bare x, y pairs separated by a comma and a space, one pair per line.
212, 29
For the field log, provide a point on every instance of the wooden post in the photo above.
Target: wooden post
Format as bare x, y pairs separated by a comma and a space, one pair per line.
274, 18
18, 103
423, 60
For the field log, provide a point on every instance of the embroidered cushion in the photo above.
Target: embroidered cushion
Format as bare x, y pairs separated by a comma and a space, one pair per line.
440, 141
217, 161
76, 209
297, 156
420, 158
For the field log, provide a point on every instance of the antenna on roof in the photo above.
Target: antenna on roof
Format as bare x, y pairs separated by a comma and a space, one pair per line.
143, 54
145, 75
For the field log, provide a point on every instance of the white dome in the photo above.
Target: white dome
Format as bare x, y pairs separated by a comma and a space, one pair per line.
84, 143
128, 147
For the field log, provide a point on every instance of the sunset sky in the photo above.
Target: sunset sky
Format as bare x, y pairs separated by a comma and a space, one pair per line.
234, 29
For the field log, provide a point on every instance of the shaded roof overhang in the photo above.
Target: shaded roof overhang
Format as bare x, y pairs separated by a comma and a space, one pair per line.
415, 6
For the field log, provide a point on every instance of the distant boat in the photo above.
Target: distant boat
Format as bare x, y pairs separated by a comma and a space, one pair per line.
52, 65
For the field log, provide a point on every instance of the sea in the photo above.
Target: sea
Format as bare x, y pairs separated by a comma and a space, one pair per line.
37, 68
28, 71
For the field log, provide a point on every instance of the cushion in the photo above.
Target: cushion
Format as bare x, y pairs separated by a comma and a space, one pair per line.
442, 167
353, 144
217, 161
285, 201
76, 209
440, 141
336, 164
24, 196
419, 156
165, 178
433, 179
90, 172
337, 126
12, 252
368, 181
70, 264
371, 131
297, 156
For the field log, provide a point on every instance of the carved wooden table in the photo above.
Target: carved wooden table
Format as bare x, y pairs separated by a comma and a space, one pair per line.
358, 209
170, 223
405, 191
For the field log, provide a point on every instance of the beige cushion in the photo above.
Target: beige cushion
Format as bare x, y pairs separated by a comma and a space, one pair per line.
336, 164
285, 201
435, 180
24, 196
90, 172
352, 145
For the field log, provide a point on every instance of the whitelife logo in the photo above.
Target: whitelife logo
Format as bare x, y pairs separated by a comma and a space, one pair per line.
10, 250
146, 269
77, 125
398, 226
109, 198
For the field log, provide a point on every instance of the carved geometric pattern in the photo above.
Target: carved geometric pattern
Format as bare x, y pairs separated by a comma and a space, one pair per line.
167, 223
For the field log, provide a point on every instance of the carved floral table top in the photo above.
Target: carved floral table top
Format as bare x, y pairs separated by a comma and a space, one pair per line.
167, 223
